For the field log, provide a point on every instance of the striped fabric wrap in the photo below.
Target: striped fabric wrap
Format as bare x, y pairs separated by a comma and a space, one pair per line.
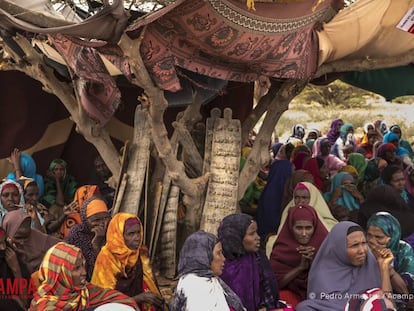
57, 292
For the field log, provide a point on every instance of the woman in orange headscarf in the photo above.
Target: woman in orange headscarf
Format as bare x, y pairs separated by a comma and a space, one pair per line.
74, 218
123, 263
63, 286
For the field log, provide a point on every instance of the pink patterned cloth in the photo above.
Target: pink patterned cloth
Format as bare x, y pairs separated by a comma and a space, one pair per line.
222, 39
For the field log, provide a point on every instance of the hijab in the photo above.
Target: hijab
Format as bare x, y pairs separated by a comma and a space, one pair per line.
28, 167
360, 163
196, 277
285, 257
270, 201
248, 274
116, 259
333, 132
313, 166
4, 185
35, 246
347, 200
81, 234
332, 272
57, 289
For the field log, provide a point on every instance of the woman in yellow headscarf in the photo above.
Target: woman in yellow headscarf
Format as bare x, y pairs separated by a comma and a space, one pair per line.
123, 263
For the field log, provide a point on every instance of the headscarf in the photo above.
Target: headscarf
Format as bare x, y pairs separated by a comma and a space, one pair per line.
285, 256
333, 132
7, 276
383, 148
299, 159
313, 166
381, 126
275, 148
115, 258
391, 137
358, 161
55, 162
332, 273
290, 185
83, 193
344, 131
332, 162
403, 253
198, 287
248, 274
298, 131
81, 236
346, 200
35, 246
269, 207
69, 185
366, 125
318, 203
28, 167
57, 290
5, 184
368, 300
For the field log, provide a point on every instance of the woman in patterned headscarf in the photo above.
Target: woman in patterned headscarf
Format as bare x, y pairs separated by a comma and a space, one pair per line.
89, 235
63, 282
246, 269
123, 262
384, 231
199, 268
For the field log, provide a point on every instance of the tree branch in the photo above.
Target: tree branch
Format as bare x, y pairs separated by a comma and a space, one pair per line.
192, 188
259, 154
33, 66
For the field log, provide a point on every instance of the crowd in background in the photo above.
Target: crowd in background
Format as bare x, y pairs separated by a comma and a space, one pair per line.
328, 224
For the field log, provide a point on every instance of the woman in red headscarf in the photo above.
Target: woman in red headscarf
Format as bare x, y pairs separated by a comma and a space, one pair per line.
293, 251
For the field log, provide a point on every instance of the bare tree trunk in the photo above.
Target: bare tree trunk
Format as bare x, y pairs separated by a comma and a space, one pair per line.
192, 189
259, 155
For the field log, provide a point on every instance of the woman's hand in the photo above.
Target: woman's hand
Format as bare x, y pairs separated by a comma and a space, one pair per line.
150, 298
15, 158
384, 257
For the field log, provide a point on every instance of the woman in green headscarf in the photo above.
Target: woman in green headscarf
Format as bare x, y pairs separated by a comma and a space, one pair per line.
384, 231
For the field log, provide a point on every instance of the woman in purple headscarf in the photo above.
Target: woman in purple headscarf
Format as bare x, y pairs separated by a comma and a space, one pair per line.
334, 130
247, 270
343, 267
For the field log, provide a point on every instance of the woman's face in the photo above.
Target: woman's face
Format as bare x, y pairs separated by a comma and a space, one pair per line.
31, 194
303, 231
324, 172
100, 219
251, 241
301, 197
398, 181
9, 198
390, 155
217, 264
356, 248
377, 238
59, 171
339, 125
79, 272
132, 237
325, 148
